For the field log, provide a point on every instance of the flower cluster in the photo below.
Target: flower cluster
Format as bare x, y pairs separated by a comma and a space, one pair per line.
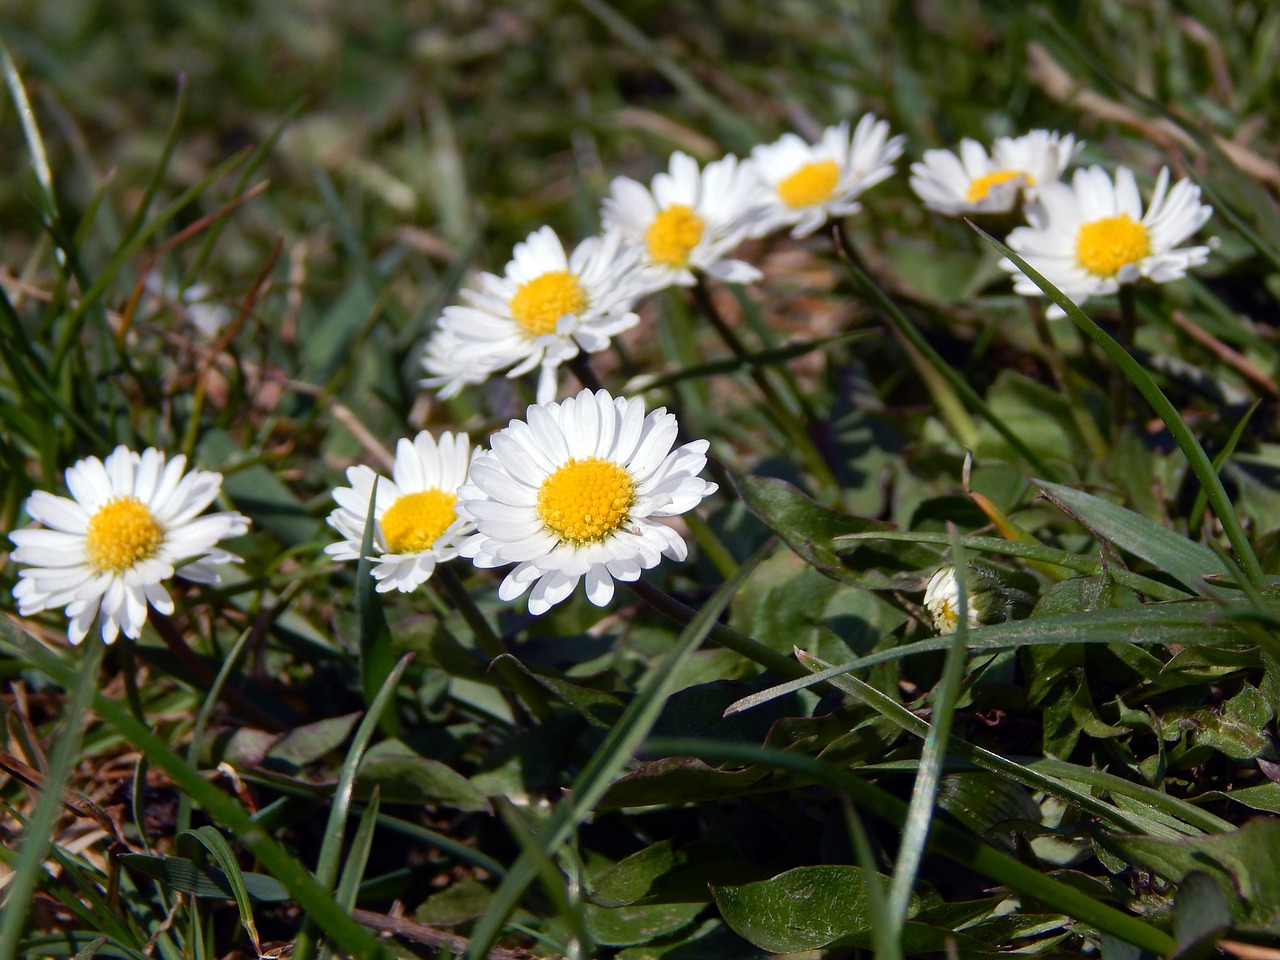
578, 490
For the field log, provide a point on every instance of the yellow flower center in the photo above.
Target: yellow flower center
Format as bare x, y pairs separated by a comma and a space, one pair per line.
540, 302
812, 183
1104, 246
122, 533
416, 520
585, 501
980, 187
674, 232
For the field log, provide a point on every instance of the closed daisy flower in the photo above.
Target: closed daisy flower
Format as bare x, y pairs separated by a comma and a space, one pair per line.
131, 522
577, 491
546, 308
416, 523
1091, 236
971, 181
803, 185
687, 220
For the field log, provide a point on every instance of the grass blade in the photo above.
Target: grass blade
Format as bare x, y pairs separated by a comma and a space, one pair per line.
220, 850
1166, 411
590, 785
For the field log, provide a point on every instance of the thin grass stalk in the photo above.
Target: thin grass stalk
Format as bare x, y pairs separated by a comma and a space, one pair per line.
1199, 461
605, 764
775, 403
1084, 422
456, 596
924, 795
38, 834
901, 323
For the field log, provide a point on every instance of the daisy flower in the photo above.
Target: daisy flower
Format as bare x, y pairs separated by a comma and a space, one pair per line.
576, 490
131, 522
1089, 237
546, 308
803, 185
687, 219
416, 523
973, 182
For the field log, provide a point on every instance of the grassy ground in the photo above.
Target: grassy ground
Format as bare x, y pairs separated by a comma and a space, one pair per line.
263, 769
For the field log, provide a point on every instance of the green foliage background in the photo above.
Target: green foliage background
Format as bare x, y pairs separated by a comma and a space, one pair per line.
268, 768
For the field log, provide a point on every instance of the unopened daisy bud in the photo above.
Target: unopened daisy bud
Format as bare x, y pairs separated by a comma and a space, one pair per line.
577, 491
416, 522
988, 600
130, 521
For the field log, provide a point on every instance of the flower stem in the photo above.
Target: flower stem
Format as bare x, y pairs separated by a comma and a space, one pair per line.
452, 591
777, 405
1084, 422
728, 638
1121, 390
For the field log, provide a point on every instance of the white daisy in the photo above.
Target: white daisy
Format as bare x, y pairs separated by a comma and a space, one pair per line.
803, 185
942, 600
416, 519
687, 219
130, 522
576, 491
544, 310
973, 182
1089, 237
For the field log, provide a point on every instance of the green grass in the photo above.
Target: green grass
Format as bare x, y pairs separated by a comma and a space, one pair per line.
294, 757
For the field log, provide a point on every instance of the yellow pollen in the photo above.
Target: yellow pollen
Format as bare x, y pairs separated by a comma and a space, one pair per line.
1104, 246
812, 183
674, 232
121, 533
416, 520
540, 302
585, 501
980, 187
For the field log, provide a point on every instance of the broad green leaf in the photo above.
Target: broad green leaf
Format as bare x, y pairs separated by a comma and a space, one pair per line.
676, 781
309, 742
1189, 562
630, 925
802, 909
404, 776
989, 805
201, 880
1245, 864
1200, 911
456, 903
662, 874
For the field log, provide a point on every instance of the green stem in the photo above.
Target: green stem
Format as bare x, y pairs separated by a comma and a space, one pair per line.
776, 404
1084, 422
730, 639
1120, 390
907, 329
1198, 460
524, 686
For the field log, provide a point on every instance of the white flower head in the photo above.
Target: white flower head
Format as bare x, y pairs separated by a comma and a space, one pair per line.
942, 600
545, 309
577, 490
130, 522
687, 219
971, 181
416, 523
803, 185
1091, 236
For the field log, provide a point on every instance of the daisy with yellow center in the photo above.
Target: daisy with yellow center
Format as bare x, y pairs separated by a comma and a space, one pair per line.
130, 521
545, 309
576, 491
686, 220
1091, 236
971, 181
803, 185
416, 521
